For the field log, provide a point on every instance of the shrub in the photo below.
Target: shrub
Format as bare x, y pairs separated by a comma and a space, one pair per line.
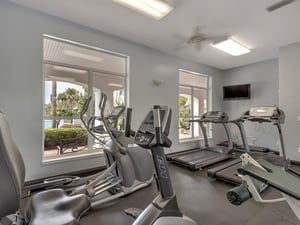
54, 135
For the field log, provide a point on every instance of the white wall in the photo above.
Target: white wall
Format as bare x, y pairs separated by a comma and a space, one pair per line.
21, 92
263, 77
289, 86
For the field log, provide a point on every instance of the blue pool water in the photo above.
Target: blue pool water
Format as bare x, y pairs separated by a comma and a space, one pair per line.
48, 123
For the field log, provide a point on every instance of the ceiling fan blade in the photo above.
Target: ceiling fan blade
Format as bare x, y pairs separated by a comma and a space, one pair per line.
279, 5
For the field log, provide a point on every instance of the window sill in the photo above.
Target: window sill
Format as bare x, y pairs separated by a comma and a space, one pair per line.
70, 157
186, 140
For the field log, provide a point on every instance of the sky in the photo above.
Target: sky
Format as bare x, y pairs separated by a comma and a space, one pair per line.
61, 87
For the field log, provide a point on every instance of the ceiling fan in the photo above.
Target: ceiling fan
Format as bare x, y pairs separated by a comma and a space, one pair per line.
196, 39
279, 5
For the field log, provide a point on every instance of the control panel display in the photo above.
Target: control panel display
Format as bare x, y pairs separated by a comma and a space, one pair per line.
143, 139
264, 114
146, 132
214, 117
262, 111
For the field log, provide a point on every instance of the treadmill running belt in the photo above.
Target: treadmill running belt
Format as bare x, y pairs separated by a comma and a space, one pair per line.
198, 159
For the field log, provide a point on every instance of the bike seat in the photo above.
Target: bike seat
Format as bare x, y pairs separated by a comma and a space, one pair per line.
54, 207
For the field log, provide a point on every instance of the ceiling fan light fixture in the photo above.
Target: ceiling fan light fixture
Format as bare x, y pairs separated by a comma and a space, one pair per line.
155, 9
231, 47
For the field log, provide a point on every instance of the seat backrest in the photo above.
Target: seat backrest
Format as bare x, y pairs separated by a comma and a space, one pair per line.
12, 171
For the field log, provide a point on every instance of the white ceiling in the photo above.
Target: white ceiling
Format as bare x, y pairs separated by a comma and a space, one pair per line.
247, 21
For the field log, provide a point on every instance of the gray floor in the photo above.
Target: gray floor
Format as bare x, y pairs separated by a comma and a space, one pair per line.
202, 199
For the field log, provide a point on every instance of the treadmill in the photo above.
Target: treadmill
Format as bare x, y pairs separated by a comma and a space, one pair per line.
195, 159
228, 171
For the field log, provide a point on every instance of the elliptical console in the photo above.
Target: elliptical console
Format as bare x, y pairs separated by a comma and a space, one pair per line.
147, 131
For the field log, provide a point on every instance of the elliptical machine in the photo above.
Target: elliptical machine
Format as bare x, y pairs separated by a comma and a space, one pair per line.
153, 134
124, 173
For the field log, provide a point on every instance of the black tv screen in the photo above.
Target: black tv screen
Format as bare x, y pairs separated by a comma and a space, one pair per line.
241, 91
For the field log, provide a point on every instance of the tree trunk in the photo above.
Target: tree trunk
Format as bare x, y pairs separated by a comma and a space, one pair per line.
53, 103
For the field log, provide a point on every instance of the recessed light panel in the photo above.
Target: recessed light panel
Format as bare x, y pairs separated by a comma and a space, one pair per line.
231, 47
156, 9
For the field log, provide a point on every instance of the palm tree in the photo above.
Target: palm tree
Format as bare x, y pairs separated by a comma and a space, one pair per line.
68, 100
53, 102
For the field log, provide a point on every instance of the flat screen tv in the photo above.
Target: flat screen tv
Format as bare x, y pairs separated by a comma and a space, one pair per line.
236, 92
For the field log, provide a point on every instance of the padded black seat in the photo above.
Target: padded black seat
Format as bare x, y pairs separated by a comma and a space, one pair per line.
54, 207
51, 207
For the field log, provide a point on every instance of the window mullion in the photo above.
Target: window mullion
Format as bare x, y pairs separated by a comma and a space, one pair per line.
192, 109
198, 93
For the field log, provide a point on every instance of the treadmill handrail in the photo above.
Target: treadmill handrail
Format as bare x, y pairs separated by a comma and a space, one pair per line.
223, 119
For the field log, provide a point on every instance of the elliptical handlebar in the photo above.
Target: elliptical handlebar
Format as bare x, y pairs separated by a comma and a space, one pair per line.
85, 108
88, 123
128, 122
158, 125
102, 103
128, 131
86, 105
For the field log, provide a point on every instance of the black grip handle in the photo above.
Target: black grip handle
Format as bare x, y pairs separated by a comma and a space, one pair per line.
157, 125
128, 122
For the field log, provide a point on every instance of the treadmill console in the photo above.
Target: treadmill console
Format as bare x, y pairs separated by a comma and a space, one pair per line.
262, 111
145, 136
214, 117
264, 114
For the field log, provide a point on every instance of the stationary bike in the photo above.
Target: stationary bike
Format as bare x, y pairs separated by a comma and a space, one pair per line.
153, 134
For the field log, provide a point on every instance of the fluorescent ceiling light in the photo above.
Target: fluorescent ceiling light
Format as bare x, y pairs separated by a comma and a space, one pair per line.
156, 9
231, 47
82, 55
114, 85
67, 69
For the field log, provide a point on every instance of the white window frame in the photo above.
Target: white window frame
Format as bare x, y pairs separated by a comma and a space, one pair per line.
208, 104
89, 153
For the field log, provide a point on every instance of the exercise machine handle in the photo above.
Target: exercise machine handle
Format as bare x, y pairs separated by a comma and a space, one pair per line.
85, 108
128, 131
197, 120
86, 105
102, 103
158, 125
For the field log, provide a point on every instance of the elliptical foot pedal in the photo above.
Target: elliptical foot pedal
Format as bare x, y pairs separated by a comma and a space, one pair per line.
134, 212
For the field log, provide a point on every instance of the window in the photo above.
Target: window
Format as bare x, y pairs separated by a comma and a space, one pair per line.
72, 72
193, 102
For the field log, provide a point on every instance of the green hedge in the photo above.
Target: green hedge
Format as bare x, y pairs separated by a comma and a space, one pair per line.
54, 135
